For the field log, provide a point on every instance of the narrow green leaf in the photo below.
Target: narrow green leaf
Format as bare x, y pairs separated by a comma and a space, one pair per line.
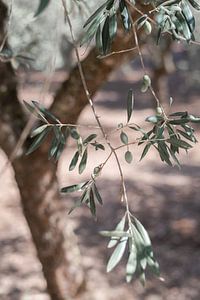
179, 143
80, 145
131, 264
92, 29
173, 155
143, 262
53, 148
89, 139
187, 13
86, 194
141, 21
179, 121
98, 146
130, 103
56, 132
96, 14
138, 240
125, 15
145, 151
83, 162
115, 234
188, 136
97, 195
109, 4
163, 152
45, 112
38, 130
112, 26
195, 4
106, 36
185, 28
42, 5
59, 151
38, 140
120, 227
154, 266
98, 39
117, 254
144, 234
179, 114
74, 187
92, 203
34, 110
74, 161
193, 119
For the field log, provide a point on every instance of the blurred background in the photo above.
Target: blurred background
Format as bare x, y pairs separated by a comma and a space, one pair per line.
165, 199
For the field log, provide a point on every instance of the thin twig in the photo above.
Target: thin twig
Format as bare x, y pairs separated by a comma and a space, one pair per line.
117, 52
87, 93
145, 72
73, 125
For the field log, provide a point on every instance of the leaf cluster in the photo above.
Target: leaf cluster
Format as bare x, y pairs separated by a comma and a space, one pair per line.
90, 195
59, 135
82, 150
177, 18
169, 135
103, 23
140, 253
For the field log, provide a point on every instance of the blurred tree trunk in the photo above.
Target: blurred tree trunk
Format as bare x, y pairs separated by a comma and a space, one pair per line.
36, 176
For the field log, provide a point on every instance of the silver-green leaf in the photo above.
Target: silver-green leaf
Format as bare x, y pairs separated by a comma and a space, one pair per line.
117, 254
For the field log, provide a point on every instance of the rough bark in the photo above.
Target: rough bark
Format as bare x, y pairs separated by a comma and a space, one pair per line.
36, 178
52, 235
54, 238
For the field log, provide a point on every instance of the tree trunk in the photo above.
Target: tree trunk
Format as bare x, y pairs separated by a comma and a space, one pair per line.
52, 232
36, 178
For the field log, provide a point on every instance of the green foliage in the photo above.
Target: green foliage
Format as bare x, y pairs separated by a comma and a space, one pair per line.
168, 134
130, 103
59, 133
103, 24
174, 17
130, 233
89, 197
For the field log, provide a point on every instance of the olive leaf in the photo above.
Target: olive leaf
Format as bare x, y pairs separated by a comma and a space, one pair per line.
42, 5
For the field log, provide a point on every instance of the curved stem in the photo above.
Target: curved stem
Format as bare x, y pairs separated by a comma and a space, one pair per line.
87, 93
